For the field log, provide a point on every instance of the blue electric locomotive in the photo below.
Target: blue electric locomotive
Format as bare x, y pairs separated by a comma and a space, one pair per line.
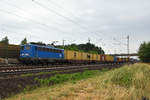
33, 53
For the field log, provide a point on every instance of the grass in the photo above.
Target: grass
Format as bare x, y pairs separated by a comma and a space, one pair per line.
37, 74
60, 78
126, 83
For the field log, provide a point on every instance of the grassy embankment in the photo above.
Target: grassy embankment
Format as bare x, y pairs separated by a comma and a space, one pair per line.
126, 83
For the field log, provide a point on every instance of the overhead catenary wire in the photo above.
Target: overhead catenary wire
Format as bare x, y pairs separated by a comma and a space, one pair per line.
19, 8
67, 18
59, 6
119, 42
61, 15
75, 16
31, 20
77, 23
55, 13
6, 30
45, 25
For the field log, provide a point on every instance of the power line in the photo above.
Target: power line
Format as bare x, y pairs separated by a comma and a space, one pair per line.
12, 5
58, 14
119, 42
31, 20
67, 18
51, 1
30, 14
59, 6
6, 30
45, 25
55, 13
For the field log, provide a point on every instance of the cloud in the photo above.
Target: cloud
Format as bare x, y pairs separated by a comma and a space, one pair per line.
101, 20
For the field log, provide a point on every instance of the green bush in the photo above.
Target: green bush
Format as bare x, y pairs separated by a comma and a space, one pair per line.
144, 52
88, 47
60, 78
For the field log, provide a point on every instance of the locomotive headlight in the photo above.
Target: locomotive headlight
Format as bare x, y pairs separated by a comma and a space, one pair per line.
27, 54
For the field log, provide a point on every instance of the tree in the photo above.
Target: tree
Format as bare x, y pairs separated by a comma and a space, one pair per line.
41, 43
38, 43
144, 52
5, 40
24, 41
91, 48
88, 47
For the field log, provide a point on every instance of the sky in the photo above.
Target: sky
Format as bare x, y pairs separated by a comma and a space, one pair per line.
107, 23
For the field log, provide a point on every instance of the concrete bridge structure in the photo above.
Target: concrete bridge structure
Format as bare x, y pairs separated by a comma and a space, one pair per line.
123, 54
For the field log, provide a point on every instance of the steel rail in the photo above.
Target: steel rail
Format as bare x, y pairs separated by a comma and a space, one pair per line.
37, 70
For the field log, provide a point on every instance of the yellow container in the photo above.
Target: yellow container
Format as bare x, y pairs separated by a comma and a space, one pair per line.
95, 57
109, 58
91, 57
72, 55
112, 58
69, 55
85, 56
98, 57
75, 55
79, 56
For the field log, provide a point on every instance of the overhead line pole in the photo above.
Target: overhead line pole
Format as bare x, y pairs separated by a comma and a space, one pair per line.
128, 46
63, 43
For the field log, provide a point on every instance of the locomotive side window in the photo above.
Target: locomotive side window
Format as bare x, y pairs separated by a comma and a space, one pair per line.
55, 51
22, 47
59, 51
39, 48
49, 50
43, 49
35, 48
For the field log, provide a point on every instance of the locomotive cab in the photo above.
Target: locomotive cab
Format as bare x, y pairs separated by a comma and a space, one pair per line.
25, 51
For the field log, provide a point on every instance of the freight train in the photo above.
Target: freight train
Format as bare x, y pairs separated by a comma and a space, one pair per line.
33, 53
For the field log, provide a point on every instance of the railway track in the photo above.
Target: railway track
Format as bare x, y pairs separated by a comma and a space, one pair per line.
12, 78
13, 71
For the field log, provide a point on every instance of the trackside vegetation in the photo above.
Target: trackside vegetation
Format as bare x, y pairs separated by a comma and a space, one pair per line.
88, 47
126, 83
144, 52
60, 78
